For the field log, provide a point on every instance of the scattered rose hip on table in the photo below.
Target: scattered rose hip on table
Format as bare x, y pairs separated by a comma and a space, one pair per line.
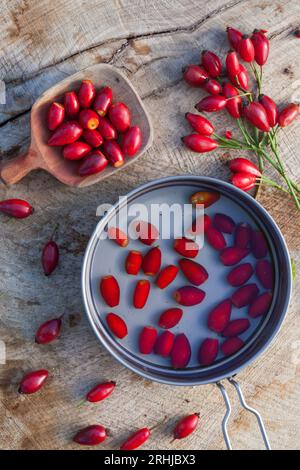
136, 440
211, 63
200, 124
48, 331
50, 256
100, 392
199, 143
91, 436
186, 426
195, 75
33, 382
17, 208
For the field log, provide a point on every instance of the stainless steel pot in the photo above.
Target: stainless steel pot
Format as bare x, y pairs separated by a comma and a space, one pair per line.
99, 261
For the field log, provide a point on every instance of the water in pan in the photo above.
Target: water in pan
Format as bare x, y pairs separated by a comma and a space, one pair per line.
109, 258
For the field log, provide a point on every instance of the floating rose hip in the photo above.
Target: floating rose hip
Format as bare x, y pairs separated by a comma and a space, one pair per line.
147, 340
242, 235
106, 129
110, 290
141, 293
88, 119
260, 305
231, 346
71, 104
194, 272
236, 327
103, 101
169, 318
240, 274
92, 137
92, 164
207, 198
17, 208
33, 382
211, 63
48, 331
131, 141
136, 440
244, 295
133, 262
91, 436
117, 325
164, 344
224, 223
199, 143
55, 116
186, 426
219, 317
195, 75
100, 392
186, 247
215, 238
152, 261
189, 295
76, 151
208, 351
265, 273
118, 236
166, 276
200, 124
119, 116
66, 133
86, 94
181, 352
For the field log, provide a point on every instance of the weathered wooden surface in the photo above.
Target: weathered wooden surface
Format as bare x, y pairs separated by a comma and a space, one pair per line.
43, 42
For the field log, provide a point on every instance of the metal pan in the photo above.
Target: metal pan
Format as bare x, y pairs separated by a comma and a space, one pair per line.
104, 257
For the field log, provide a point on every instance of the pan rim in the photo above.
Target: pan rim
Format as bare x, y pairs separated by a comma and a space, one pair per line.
123, 356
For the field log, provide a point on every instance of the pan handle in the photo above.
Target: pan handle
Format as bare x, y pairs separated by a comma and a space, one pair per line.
244, 404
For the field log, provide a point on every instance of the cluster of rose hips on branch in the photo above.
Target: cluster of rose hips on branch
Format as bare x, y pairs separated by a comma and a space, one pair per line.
256, 114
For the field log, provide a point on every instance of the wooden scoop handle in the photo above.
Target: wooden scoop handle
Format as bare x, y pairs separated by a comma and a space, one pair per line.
14, 170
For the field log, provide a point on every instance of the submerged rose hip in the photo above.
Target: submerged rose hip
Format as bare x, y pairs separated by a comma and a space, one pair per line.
55, 116
189, 295
152, 261
244, 295
48, 331
164, 344
119, 116
208, 351
200, 124
186, 247
194, 272
181, 352
258, 244
169, 318
86, 94
186, 426
242, 235
136, 440
195, 75
91, 436
33, 382
110, 290
219, 317
224, 223
147, 340
141, 293
166, 276
265, 273
100, 392
236, 327
240, 274
200, 225
233, 255
260, 306
17, 208
232, 345
215, 238
116, 325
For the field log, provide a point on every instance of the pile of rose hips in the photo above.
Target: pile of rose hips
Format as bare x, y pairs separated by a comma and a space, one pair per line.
177, 347
88, 120
256, 114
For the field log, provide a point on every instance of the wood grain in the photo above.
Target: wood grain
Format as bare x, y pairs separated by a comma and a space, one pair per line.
43, 42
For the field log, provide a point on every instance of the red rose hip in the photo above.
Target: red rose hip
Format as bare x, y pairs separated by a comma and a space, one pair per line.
211, 63
169, 318
91, 436
207, 198
119, 116
92, 137
76, 151
88, 119
199, 143
147, 233
118, 236
244, 295
189, 296
131, 141
181, 352
147, 340
261, 305
265, 273
110, 290
152, 261
240, 274
164, 344
224, 223
71, 104
232, 345
113, 152
103, 101
17, 208
186, 426
242, 236
166, 276
194, 272
48, 331
186, 247
50, 257
141, 293
100, 392
116, 325
66, 133
106, 129
195, 75
86, 94
236, 327
233, 255
215, 238
33, 382
92, 164
208, 351
200, 124
133, 262
136, 440
219, 317
55, 116
259, 245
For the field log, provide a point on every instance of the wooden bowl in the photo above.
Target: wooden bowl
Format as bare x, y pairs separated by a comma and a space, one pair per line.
41, 156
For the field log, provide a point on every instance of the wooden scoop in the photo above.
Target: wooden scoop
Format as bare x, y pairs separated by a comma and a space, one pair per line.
41, 156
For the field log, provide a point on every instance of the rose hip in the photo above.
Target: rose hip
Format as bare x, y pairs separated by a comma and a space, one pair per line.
33, 382
224, 223
166, 276
189, 295
48, 331
92, 137
17, 208
110, 290
141, 293
199, 143
181, 352
169, 318
86, 94
211, 63
208, 351
200, 225
241, 80
265, 274
93, 163
66, 133
240, 274
195, 75
200, 124
186, 426
164, 344
246, 48
288, 114
152, 261
106, 129
113, 152
119, 116
234, 101
211, 104
88, 119
236, 327
185, 247
194, 272
133, 262
259, 245
215, 238
100, 392
116, 325
212, 86
118, 236
261, 47
257, 115
50, 257
243, 165
244, 295
103, 101
242, 236
147, 232
234, 37
243, 181
271, 109
233, 255
232, 345
55, 116
232, 63
131, 141
136, 440
147, 339
219, 317
91, 436
76, 151
207, 198
260, 305
71, 104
